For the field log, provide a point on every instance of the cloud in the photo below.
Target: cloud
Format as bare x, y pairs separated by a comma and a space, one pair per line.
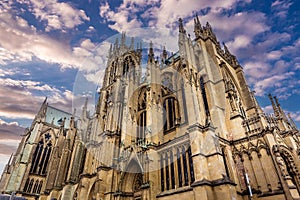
20, 99
295, 116
122, 20
280, 7
275, 81
57, 15
21, 42
10, 134
10, 131
268, 109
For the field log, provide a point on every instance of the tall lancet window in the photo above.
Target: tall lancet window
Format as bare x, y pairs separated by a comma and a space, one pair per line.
41, 156
142, 115
169, 113
203, 92
142, 124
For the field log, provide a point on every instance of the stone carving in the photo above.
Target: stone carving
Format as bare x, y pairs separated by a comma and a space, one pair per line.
281, 164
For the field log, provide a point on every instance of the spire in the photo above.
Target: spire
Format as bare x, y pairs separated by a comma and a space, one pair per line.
151, 53
84, 109
209, 33
132, 43
282, 114
164, 54
276, 112
45, 101
116, 45
181, 29
208, 26
10, 159
42, 112
197, 26
110, 51
123, 39
72, 122
226, 49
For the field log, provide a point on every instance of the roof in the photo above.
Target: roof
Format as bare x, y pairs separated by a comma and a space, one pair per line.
56, 116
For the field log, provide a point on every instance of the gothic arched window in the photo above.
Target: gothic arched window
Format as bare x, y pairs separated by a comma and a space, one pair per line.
41, 156
128, 63
30, 186
179, 168
162, 177
26, 185
40, 187
36, 156
169, 113
142, 125
46, 155
172, 170
35, 186
204, 96
191, 165
167, 172
185, 167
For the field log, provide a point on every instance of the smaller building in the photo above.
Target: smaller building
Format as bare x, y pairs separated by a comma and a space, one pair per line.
50, 156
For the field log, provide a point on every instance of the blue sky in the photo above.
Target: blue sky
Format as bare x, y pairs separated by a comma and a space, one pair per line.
58, 48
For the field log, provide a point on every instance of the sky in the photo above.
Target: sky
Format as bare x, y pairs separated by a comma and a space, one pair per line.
58, 49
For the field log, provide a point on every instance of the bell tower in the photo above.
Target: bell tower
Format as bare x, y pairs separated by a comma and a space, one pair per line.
122, 75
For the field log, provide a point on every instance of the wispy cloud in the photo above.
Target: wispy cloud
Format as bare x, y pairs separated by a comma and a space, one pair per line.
280, 7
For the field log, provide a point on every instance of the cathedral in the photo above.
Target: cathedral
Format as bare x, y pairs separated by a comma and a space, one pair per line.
189, 128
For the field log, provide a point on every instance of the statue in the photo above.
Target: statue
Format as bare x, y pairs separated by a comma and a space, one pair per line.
281, 164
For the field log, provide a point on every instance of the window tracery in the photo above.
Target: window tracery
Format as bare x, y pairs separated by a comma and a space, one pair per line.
182, 162
41, 156
169, 115
142, 125
128, 63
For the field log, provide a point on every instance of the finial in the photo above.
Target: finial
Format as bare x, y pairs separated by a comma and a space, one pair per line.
281, 112
197, 26
72, 122
181, 29
208, 25
45, 100
276, 112
197, 20
151, 53
165, 53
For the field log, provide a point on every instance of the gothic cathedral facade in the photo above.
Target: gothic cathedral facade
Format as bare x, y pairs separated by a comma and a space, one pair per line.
190, 128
